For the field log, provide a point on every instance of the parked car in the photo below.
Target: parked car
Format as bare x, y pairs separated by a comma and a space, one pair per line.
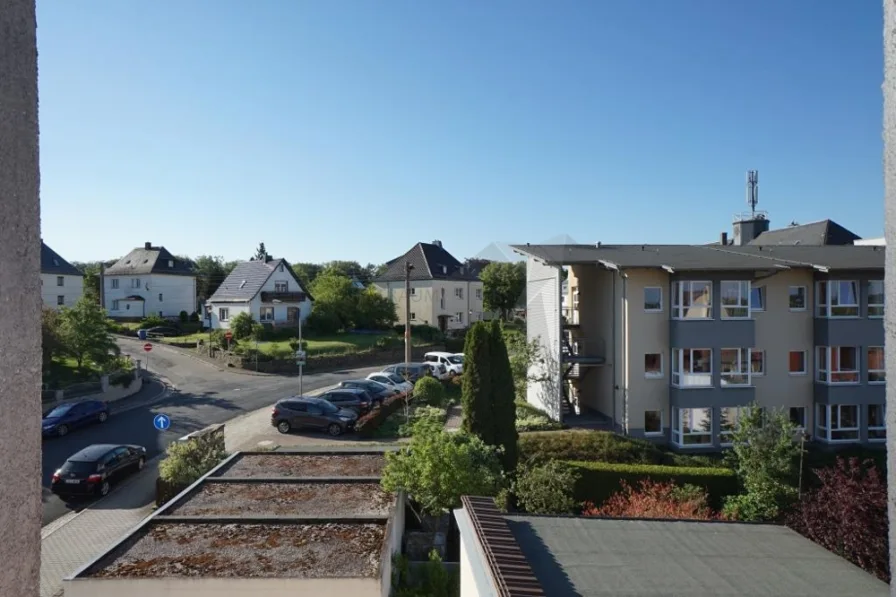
94, 470
392, 380
356, 399
411, 372
377, 391
453, 365
437, 370
162, 332
66, 417
298, 411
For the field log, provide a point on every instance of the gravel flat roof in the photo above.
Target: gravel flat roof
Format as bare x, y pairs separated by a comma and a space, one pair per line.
287, 499
285, 464
328, 550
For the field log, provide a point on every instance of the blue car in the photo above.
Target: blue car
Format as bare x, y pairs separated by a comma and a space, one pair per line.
65, 417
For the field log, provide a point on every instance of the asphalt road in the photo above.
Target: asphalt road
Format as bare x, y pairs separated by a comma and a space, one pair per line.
200, 395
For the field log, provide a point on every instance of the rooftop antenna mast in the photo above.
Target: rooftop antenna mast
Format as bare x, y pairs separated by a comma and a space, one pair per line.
752, 190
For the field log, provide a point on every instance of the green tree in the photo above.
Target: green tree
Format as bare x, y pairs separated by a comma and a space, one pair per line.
522, 355
336, 294
241, 325
349, 269
429, 390
502, 399
185, 462
307, 273
476, 389
210, 273
374, 271
51, 344
84, 333
261, 253
502, 285
374, 311
547, 488
764, 454
437, 467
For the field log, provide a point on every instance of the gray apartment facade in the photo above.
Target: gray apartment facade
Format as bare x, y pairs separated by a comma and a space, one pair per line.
673, 342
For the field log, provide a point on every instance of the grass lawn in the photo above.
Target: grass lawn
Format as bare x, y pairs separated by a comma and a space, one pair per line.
336, 344
64, 372
195, 337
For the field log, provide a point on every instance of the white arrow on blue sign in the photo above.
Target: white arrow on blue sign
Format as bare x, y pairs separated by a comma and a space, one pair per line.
161, 422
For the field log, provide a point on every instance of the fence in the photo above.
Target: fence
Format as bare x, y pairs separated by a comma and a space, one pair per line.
109, 388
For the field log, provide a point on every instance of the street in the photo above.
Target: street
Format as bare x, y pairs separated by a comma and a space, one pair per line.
200, 395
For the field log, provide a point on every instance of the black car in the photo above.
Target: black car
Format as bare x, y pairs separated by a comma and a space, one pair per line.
378, 391
94, 470
66, 417
297, 412
355, 399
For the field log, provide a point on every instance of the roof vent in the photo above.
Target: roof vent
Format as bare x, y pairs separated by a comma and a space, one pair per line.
444, 269
598, 244
147, 246
437, 243
243, 283
723, 238
55, 262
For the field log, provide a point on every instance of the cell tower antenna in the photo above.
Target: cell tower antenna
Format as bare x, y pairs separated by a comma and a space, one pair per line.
752, 190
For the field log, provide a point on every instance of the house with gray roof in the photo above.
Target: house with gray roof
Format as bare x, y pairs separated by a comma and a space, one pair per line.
61, 284
149, 280
268, 290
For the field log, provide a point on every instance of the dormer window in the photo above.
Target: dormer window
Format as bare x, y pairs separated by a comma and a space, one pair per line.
243, 283
171, 263
444, 269
281, 267
55, 262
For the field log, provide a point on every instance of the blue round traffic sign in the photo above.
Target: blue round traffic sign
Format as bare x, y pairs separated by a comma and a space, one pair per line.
161, 422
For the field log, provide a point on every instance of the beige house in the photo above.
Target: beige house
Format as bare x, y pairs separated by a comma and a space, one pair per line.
445, 293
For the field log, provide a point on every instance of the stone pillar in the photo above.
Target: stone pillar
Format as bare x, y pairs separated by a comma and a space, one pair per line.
20, 302
889, 134
104, 383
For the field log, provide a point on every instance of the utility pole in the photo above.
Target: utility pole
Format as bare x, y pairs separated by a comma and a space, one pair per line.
407, 315
302, 360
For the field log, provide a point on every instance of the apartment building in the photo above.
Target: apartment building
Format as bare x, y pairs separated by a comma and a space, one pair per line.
61, 284
149, 281
671, 342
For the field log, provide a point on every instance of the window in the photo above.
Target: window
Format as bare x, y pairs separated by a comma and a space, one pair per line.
413, 291
692, 300
60, 280
877, 422
797, 298
413, 316
266, 314
796, 362
459, 292
160, 297
223, 314
170, 263
757, 362
692, 426
735, 367
653, 365
837, 298
757, 298
292, 314
653, 422
735, 299
837, 422
875, 292
114, 283
441, 298
653, 299
692, 367
281, 267
60, 300
729, 420
135, 282
798, 417
837, 364
281, 286
115, 304
459, 317
479, 294
877, 366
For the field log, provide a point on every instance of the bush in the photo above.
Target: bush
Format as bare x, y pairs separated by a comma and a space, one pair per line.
184, 316
194, 317
154, 321
600, 480
655, 500
295, 345
530, 418
428, 390
323, 321
367, 425
604, 446
121, 378
186, 461
218, 339
389, 342
547, 489
241, 326
427, 333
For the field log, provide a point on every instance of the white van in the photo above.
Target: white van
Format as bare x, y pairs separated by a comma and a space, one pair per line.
454, 364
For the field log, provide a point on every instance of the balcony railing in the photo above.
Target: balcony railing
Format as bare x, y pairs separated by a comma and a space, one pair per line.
570, 316
584, 350
283, 297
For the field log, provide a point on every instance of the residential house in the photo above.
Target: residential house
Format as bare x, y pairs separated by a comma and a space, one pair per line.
518, 555
149, 281
670, 342
444, 292
61, 284
268, 290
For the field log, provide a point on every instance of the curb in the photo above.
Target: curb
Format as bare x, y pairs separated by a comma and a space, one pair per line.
166, 390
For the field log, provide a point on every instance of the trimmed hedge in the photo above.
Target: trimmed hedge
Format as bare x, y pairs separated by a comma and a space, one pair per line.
603, 446
599, 480
369, 423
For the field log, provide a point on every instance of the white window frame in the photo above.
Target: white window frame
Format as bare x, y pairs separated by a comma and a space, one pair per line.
880, 431
743, 298
160, 298
825, 374
116, 305
826, 433
459, 292
738, 413
802, 426
877, 307
742, 366
60, 280
413, 291
653, 310
60, 300
678, 355
223, 313
678, 293
478, 294
880, 373
263, 314
824, 297
805, 290
654, 374
114, 283
413, 316
459, 316
679, 435
135, 283
662, 425
805, 370
281, 285
761, 353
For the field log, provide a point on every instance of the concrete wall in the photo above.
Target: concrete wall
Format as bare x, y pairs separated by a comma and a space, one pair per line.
468, 306
233, 309
20, 301
178, 293
220, 587
71, 290
421, 300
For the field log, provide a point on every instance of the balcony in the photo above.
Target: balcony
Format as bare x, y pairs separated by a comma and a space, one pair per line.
283, 297
584, 351
570, 317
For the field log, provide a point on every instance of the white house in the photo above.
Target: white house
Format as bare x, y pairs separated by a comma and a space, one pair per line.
149, 281
61, 284
268, 290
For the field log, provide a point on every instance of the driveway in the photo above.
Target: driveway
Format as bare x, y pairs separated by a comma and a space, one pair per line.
200, 395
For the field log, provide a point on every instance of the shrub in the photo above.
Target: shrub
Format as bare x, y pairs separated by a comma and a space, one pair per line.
604, 446
241, 326
121, 378
389, 342
185, 462
531, 418
218, 339
847, 514
294, 345
194, 317
547, 489
428, 390
154, 321
184, 316
367, 425
427, 333
655, 500
600, 480
454, 345
323, 321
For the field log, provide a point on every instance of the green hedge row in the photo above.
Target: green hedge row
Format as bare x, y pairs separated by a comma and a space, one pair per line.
603, 446
599, 480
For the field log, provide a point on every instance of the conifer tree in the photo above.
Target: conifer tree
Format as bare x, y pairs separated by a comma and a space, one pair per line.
477, 384
502, 397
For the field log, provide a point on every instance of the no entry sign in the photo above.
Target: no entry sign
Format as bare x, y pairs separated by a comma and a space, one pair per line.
228, 334
147, 347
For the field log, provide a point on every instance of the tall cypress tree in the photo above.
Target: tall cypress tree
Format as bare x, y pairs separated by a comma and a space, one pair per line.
502, 397
477, 384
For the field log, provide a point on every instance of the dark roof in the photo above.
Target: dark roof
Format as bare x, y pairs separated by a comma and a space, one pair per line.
52, 263
825, 232
247, 279
598, 557
150, 260
431, 262
711, 257
91, 453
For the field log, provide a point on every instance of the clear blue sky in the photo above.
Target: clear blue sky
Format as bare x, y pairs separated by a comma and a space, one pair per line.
351, 130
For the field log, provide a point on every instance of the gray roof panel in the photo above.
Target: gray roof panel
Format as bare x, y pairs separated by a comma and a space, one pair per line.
152, 260
825, 232
247, 279
431, 262
52, 263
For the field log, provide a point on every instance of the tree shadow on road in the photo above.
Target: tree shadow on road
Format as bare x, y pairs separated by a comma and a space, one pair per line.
194, 401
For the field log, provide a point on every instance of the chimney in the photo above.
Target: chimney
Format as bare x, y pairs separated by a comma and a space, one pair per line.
749, 226
147, 246
437, 243
723, 239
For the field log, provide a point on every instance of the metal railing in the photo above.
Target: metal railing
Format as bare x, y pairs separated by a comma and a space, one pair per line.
570, 315
584, 347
